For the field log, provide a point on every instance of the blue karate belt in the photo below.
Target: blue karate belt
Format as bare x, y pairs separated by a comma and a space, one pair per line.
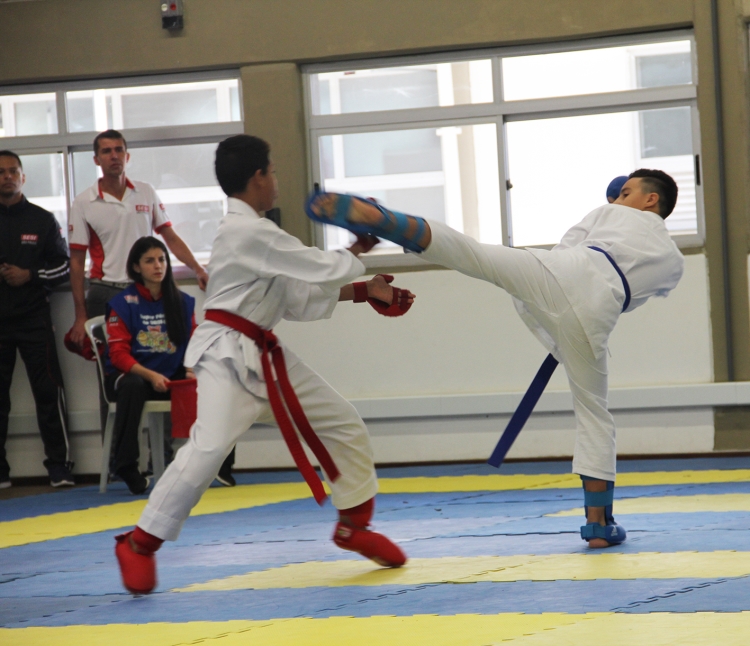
539, 383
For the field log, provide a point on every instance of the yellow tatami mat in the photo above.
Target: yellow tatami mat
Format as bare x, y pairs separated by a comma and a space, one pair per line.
74, 523
548, 629
459, 569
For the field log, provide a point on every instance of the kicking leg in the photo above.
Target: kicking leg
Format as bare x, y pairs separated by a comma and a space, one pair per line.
366, 217
345, 436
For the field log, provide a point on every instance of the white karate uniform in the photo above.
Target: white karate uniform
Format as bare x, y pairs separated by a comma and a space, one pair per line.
570, 297
263, 274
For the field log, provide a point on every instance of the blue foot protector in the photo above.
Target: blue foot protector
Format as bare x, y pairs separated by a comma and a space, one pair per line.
613, 533
395, 227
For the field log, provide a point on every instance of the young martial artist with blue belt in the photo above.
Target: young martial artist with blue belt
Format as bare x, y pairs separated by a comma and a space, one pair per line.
571, 297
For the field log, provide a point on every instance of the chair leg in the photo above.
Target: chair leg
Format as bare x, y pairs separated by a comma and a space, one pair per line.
156, 435
106, 452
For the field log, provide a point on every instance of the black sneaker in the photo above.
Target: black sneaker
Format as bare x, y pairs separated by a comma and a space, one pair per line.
225, 477
137, 482
60, 476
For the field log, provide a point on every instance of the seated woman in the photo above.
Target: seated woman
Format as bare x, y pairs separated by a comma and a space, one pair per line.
149, 325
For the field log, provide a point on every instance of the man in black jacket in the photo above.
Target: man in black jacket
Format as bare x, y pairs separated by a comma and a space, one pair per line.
33, 259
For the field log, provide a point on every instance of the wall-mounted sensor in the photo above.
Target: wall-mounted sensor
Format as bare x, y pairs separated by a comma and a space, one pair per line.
171, 15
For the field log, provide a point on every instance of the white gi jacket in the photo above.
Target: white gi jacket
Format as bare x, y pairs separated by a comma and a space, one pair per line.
263, 274
641, 246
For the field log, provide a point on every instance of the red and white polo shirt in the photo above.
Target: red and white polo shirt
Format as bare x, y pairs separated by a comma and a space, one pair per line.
108, 227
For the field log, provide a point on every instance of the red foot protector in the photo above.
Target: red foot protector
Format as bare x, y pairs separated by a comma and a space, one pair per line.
351, 533
398, 307
184, 396
138, 570
371, 545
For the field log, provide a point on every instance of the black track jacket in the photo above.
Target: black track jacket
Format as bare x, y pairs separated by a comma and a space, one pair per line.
30, 239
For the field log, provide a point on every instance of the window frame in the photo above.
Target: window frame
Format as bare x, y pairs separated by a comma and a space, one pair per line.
67, 143
500, 112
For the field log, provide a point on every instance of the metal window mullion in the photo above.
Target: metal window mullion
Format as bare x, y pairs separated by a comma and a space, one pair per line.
608, 109
498, 91
134, 136
415, 115
408, 125
61, 109
468, 119
504, 177
134, 81
498, 88
554, 105
513, 50
316, 176
68, 179
699, 204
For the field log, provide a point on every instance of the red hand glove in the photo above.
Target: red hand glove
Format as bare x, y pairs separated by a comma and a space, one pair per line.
367, 242
398, 307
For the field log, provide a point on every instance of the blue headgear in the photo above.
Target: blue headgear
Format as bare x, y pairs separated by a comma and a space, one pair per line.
613, 190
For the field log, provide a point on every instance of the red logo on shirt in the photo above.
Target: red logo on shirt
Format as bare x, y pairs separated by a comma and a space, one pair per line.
29, 238
142, 207
161, 206
70, 228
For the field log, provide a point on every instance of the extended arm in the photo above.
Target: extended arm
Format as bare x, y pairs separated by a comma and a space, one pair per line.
182, 252
377, 288
77, 276
284, 255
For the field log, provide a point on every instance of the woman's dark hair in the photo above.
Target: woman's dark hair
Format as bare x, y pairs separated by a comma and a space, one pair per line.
238, 159
174, 308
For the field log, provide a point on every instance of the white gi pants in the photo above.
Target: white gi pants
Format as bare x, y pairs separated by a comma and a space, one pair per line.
523, 276
225, 411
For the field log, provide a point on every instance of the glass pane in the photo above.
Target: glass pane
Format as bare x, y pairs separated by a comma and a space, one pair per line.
85, 171
184, 179
153, 106
591, 71
546, 199
45, 185
445, 174
28, 114
400, 88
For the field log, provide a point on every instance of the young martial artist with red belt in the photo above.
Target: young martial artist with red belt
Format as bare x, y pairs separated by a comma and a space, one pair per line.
259, 275
571, 297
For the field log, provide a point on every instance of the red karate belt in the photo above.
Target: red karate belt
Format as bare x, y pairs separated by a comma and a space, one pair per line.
271, 351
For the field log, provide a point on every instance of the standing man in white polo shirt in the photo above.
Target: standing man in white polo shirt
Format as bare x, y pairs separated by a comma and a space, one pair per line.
106, 220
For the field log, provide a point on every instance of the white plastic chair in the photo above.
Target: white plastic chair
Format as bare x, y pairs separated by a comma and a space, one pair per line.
153, 411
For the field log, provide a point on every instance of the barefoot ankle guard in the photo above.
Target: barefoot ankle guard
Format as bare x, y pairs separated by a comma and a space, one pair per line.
613, 533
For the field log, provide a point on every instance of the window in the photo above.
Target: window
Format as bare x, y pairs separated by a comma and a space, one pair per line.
487, 142
171, 124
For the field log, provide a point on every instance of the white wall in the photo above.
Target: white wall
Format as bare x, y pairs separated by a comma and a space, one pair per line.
462, 337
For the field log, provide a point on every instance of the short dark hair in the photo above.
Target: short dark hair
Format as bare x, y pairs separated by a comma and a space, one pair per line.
238, 159
108, 134
10, 153
657, 181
